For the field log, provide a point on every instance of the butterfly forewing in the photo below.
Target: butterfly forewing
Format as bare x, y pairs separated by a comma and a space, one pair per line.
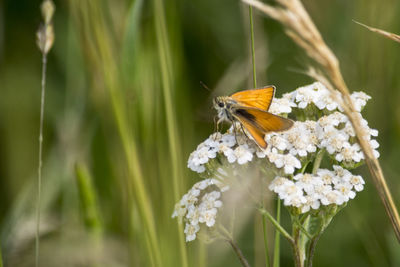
260, 98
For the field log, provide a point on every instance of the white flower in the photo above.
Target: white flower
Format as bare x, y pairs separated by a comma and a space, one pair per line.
359, 100
290, 163
292, 196
242, 154
357, 182
307, 181
191, 231
302, 138
349, 153
228, 140
319, 191
201, 155
286, 161
311, 202
282, 105
277, 140
208, 217
308, 94
333, 119
345, 190
333, 197
316, 94
179, 211
193, 215
326, 176
279, 183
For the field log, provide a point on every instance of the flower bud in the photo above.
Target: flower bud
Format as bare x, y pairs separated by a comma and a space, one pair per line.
48, 9
45, 38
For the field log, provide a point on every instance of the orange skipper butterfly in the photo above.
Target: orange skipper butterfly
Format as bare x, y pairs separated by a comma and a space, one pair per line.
250, 109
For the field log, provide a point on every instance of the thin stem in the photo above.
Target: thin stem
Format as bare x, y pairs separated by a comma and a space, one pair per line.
239, 253
317, 161
277, 225
302, 170
311, 249
296, 248
267, 259
253, 61
39, 181
277, 235
253, 54
302, 229
228, 237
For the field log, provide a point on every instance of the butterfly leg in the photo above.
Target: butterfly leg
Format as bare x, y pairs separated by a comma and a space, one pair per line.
235, 131
216, 123
244, 132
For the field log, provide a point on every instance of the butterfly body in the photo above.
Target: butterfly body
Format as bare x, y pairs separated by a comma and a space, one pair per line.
250, 109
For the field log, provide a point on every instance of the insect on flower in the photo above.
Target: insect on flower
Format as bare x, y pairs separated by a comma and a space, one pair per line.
250, 109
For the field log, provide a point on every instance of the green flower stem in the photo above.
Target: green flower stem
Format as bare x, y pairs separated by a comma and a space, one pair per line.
325, 221
313, 243
239, 253
311, 249
264, 224
253, 54
296, 247
302, 228
277, 235
39, 184
277, 225
302, 170
228, 237
317, 161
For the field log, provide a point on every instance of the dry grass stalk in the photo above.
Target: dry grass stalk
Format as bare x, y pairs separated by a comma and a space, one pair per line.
299, 26
389, 35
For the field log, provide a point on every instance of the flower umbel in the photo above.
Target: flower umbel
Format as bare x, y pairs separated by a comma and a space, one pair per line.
200, 206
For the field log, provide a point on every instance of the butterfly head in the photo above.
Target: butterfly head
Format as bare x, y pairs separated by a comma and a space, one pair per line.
223, 102
223, 105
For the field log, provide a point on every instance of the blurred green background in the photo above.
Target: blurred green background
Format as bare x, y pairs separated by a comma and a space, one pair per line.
124, 109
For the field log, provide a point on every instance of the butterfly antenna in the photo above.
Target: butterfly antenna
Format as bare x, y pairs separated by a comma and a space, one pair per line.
205, 86
296, 70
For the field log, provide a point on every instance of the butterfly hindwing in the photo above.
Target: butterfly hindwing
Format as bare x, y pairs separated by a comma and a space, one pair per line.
257, 135
260, 98
262, 120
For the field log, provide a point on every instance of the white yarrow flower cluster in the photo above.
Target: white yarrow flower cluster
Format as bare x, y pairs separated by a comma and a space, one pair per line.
224, 144
286, 150
310, 191
318, 95
200, 206
337, 137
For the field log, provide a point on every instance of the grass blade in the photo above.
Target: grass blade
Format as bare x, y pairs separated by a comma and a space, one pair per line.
167, 78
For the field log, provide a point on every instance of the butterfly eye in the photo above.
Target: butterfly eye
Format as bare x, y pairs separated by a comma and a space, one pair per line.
220, 104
